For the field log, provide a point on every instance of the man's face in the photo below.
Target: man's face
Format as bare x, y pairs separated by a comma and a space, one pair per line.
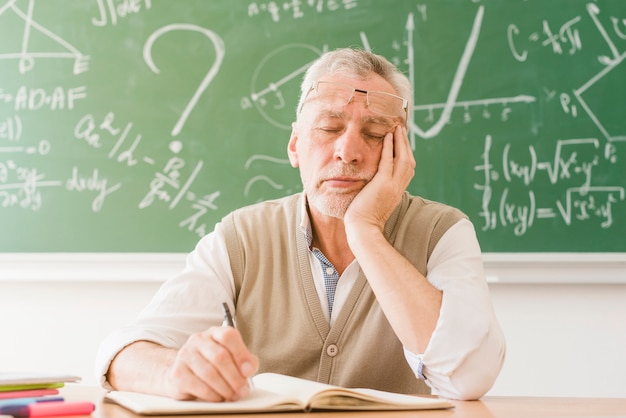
337, 144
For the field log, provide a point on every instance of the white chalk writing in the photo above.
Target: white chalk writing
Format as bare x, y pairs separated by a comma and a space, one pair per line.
112, 10
26, 57
582, 202
58, 98
297, 8
93, 183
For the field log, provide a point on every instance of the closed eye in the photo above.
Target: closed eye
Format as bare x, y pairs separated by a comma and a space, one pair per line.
374, 135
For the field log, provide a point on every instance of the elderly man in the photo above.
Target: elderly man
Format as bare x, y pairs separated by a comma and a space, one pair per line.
352, 282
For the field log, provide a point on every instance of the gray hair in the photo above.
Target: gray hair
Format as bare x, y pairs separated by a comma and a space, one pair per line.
360, 64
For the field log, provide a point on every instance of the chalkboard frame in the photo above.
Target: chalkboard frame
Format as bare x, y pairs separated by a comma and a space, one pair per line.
500, 268
593, 268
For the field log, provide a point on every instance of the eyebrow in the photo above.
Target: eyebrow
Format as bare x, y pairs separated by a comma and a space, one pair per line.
380, 120
370, 119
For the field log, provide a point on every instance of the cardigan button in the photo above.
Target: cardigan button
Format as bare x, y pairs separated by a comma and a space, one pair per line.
332, 350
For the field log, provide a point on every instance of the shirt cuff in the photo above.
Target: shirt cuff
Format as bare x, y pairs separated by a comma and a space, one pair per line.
416, 363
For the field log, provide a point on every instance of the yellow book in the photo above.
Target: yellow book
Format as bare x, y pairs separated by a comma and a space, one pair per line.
276, 392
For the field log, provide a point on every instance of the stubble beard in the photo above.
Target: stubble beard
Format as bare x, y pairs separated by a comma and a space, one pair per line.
334, 203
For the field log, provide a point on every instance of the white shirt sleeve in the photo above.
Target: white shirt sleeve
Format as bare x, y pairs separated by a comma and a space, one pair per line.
467, 348
187, 303
462, 360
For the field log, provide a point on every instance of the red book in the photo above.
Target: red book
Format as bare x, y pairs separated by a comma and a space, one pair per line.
28, 393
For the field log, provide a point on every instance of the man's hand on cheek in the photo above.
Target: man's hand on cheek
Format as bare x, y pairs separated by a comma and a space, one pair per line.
377, 200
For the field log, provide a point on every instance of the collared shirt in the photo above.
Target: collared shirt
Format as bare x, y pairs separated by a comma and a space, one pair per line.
462, 360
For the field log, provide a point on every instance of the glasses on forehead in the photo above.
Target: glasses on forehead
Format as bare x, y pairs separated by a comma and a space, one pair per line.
341, 94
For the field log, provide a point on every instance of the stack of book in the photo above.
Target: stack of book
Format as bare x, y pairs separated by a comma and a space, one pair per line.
37, 395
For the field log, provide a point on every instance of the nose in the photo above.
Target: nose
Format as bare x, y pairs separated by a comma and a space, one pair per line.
349, 146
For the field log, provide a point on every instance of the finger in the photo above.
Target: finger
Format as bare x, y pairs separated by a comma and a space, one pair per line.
198, 369
245, 361
385, 166
215, 367
187, 385
235, 356
182, 382
402, 147
407, 144
405, 160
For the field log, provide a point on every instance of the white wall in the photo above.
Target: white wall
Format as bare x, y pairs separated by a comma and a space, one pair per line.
563, 339
47, 326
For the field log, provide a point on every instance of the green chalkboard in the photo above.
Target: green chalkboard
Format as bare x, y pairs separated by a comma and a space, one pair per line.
134, 126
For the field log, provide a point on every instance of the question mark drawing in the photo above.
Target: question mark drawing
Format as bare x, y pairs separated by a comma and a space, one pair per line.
218, 43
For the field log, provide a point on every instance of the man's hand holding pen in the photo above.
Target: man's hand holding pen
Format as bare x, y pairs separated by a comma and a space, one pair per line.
213, 365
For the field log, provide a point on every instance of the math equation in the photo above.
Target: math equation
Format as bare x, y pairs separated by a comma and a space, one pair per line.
144, 122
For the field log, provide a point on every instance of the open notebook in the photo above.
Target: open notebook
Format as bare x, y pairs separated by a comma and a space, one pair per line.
276, 392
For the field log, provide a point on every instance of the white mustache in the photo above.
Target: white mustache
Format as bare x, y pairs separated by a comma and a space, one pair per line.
346, 171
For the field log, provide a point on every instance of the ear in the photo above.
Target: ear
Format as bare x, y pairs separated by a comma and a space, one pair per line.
291, 147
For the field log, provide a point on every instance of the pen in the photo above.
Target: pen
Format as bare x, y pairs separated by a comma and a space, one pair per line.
228, 318
228, 321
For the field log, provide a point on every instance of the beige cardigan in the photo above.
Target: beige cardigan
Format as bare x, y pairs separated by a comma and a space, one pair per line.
278, 309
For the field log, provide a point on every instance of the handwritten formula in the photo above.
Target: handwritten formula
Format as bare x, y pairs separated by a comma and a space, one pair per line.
136, 125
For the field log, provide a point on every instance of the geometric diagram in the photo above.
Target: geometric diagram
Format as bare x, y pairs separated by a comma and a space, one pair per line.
27, 58
270, 97
599, 92
275, 99
609, 102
